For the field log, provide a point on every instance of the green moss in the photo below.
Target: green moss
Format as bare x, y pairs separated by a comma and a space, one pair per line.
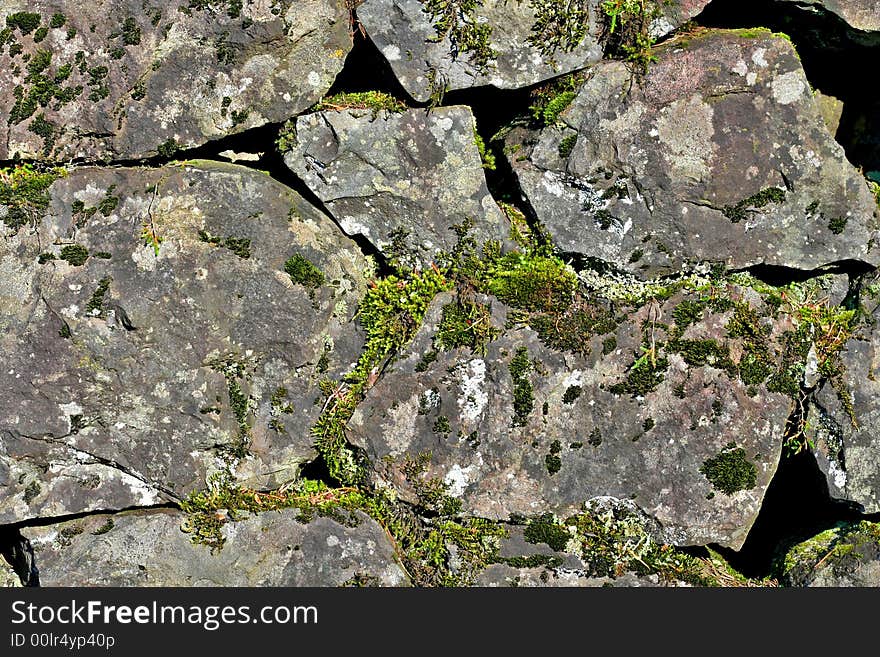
75, 254
626, 31
131, 33
763, 198
457, 22
45, 130
303, 272
98, 83
425, 361
536, 283
753, 33
465, 324
545, 529
168, 148
553, 463
699, 353
441, 425
571, 394
523, 397
609, 345
96, 302
558, 26
25, 21
487, 158
234, 370
566, 145
730, 471
240, 246
57, 20
688, 312
105, 528
45, 257
551, 99
31, 491
41, 34
648, 424
109, 202
532, 561
644, 375
595, 438
837, 225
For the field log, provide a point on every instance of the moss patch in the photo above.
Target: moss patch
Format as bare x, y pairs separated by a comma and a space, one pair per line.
730, 471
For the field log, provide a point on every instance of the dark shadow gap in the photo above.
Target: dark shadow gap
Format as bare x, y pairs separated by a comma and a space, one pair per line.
778, 275
835, 57
796, 507
54, 520
18, 553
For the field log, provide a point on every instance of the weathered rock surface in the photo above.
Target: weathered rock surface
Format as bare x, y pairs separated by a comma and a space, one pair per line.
270, 549
848, 446
118, 79
130, 374
719, 154
401, 180
560, 434
846, 555
860, 14
518, 50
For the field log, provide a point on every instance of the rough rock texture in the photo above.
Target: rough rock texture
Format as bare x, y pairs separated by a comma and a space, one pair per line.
860, 14
846, 555
126, 77
520, 49
130, 375
848, 448
494, 447
401, 180
270, 549
719, 154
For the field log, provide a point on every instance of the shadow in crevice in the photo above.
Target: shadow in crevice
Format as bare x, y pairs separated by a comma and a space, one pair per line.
19, 554
796, 507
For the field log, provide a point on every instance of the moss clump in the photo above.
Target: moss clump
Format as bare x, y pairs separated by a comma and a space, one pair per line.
25, 21
837, 225
109, 202
559, 26
626, 31
566, 145
31, 491
456, 20
532, 282
699, 353
763, 198
96, 302
644, 375
571, 329
545, 529
571, 394
234, 370
441, 425
552, 461
487, 158
465, 324
523, 397
131, 33
24, 190
57, 20
75, 254
240, 246
375, 101
730, 471
688, 312
168, 148
303, 272
551, 99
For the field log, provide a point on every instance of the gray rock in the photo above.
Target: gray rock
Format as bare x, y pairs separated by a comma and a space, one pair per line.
411, 175
847, 555
129, 77
492, 437
518, 52
719, 154
862, 15
132, 375
269, 549
847, 447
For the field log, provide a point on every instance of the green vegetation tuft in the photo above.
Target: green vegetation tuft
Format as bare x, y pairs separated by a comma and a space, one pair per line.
765, 197
465, 324
457, 21
523, 397
75, 254
730, 471
376, 101
301, 271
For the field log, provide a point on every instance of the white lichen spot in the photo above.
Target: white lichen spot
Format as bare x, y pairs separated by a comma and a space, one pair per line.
71, 408
752, 78
145, 494
473, 398
788, 87
837, 474
741, 68
391, 52
758, 57
314, 78
332, 541
574, 378
457, 479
